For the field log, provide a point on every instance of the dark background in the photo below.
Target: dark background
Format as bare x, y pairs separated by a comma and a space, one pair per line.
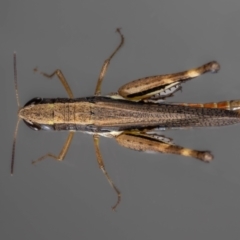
163, 196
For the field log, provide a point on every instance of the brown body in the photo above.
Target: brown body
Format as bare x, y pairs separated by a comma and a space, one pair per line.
119, 115
133, 116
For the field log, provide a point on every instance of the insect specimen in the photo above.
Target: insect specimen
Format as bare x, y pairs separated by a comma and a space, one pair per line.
133, 116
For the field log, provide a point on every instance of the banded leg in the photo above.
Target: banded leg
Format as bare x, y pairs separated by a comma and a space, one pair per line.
62, 79
233, 105
102, 167
156, 86
106, 64
63, 152
146, 142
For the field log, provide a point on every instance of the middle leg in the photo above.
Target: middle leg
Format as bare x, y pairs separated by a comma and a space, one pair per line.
102, 167
106, 64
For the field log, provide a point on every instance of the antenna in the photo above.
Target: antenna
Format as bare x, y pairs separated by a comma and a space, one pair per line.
13, 146
18, 103
15, 77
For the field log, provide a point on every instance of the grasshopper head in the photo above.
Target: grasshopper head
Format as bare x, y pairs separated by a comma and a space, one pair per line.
27, 114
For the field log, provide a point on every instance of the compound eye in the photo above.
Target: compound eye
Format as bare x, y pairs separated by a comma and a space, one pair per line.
33, 101
33, 126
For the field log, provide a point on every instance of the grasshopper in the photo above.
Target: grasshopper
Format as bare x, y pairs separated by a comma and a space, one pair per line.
133, 116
